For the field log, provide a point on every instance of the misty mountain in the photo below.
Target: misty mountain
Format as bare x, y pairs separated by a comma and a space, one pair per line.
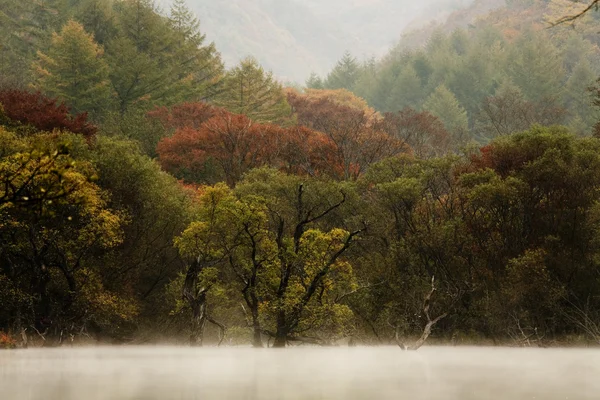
296, 37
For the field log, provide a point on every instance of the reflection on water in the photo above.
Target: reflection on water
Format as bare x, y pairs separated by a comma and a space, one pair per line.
147, 373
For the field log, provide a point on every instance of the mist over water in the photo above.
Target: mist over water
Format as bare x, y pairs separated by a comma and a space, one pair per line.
128, 373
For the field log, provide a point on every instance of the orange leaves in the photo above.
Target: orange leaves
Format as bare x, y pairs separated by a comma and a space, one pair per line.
182, 155
185, 115
227, 145
354, 131
6, 341
339, 136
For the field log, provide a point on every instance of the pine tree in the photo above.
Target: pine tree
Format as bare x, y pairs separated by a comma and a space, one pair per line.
159, 60
473, 80
579, 96
345, 74
443, 104
97, 17
195, 56
406, 91
249, 90
73, 70
535, 66
20, 38
314, 81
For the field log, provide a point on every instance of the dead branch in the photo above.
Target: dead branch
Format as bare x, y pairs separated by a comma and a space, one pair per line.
430, 322
570, 18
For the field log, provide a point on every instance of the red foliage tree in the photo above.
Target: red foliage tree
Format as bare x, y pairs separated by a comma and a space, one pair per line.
184, 115
355, 132
308, 152
43, 113
237, 144
224, 147
228, 145
422, 131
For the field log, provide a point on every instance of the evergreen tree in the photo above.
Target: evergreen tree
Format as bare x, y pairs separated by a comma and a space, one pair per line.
73, 70
443, 104
249, 90
578, 95
98, 18
406, 91
20, 39
345, 74
314, 81
473, 80
535, 66
191, 49
158, 60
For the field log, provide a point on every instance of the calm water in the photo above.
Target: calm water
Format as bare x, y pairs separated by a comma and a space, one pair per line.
147, 373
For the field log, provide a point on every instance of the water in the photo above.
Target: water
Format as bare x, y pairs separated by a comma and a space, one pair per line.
148, 373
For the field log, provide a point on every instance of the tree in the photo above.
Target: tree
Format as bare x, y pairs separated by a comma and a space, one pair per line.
314, 81
74, 71
350, 126
202, 244
422, 131
48, 248
508, 112
30, 168
34, 110
233, 144
160, 61
249, 90
406, 91
98, 18
443, 104
535, 66
207, 68
309, 268
155, 209
345, 74
578, 94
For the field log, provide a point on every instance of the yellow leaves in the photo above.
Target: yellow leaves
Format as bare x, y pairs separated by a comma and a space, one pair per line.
317, 247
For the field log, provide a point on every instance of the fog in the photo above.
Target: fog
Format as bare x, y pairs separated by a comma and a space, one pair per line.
296, 37
299, 373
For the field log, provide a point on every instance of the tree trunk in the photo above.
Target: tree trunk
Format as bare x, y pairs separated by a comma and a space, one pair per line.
280, 340
282, 330
197, 324
257, 336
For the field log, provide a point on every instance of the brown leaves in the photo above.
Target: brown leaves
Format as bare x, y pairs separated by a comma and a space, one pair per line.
354, 131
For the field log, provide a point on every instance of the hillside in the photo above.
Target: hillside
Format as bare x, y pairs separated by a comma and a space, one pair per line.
294, 38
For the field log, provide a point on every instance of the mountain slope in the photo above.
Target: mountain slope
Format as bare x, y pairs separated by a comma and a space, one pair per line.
296, 37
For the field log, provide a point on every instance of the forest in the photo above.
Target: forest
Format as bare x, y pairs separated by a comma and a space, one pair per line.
448, 192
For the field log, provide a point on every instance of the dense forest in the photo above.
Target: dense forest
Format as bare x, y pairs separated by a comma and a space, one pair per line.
450, 190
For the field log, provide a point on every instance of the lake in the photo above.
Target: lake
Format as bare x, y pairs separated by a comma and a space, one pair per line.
448, 373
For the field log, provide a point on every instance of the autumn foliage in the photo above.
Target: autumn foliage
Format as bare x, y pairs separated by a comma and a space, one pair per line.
354, 130
228, 145
422, 131
6, 341
184, 115
43, 113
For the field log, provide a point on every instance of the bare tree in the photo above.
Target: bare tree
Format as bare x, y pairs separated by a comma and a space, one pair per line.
428, 326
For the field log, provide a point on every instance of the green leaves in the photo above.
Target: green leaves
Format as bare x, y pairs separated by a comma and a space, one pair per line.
74, 70
248, 89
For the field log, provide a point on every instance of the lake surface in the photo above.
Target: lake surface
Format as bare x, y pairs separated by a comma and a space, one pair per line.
445, 373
